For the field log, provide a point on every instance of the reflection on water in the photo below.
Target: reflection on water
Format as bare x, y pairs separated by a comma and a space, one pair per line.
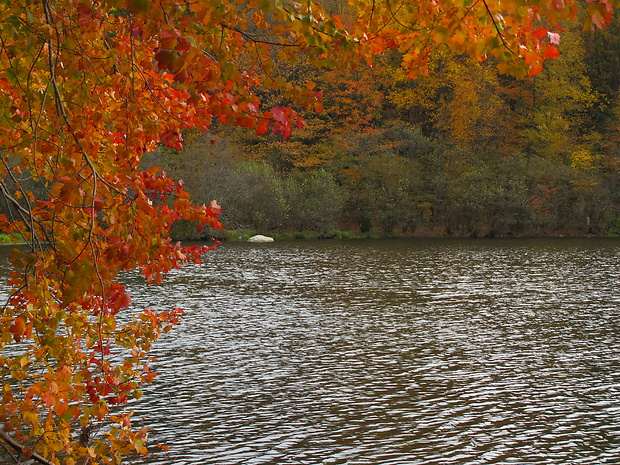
390, 352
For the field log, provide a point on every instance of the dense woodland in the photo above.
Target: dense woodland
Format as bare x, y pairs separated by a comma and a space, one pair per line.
464, 151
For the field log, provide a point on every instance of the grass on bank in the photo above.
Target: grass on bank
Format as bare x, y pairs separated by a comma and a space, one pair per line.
244, 234
10, 238
186, 231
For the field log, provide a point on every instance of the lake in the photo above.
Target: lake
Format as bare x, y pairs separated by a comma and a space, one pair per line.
389, 352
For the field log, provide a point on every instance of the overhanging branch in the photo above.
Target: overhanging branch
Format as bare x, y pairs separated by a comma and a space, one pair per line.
23, 450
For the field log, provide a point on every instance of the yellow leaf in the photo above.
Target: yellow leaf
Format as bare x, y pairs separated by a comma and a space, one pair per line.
440, 34
30, 417
503, 67
139, 445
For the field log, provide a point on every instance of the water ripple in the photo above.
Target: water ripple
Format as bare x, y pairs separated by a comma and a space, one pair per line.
403, 352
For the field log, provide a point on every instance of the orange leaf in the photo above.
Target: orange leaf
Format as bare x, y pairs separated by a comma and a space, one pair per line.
551, 52
18, 328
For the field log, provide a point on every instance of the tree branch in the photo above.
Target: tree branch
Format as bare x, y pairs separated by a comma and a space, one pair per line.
499, 33
23, 450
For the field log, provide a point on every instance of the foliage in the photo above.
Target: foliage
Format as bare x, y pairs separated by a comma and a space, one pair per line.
254, 195
10, 238
314, 202
614, 231
89, 87
513, 34
561, 101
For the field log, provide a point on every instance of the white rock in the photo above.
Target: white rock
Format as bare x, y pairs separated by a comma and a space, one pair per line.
260, 238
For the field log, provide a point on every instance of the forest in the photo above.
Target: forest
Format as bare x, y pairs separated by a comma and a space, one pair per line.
464, 151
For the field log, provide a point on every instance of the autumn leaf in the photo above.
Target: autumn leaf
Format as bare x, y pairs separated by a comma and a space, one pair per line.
551, 52
18, 328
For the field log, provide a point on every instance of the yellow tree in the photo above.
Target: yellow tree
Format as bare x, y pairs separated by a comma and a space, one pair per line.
559, 101
474, 114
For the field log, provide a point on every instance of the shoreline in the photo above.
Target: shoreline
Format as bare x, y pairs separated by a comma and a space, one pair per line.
244, 235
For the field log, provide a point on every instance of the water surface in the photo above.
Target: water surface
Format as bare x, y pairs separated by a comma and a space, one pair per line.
390, 352
395, 352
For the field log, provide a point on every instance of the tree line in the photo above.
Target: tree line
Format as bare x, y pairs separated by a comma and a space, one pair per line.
463, 151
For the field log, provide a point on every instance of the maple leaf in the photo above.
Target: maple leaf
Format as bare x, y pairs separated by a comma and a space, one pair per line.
551, 52
554, 38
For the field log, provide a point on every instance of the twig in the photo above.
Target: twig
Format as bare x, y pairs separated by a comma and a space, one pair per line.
8, 451
22, 449
499, 33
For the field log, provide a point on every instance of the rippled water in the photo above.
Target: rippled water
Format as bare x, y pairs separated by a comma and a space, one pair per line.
395, 352
390, 352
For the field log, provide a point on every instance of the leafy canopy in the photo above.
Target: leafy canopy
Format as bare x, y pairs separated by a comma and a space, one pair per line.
86, 88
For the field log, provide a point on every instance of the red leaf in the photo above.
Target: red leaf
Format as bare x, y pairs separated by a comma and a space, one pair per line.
173, 139
124, 301
551, 52
135, 30
98, 202
168, 39
263, 127
183, 44
558, 4
279, 115
247, 122
214, 208
85, 13
166, 59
